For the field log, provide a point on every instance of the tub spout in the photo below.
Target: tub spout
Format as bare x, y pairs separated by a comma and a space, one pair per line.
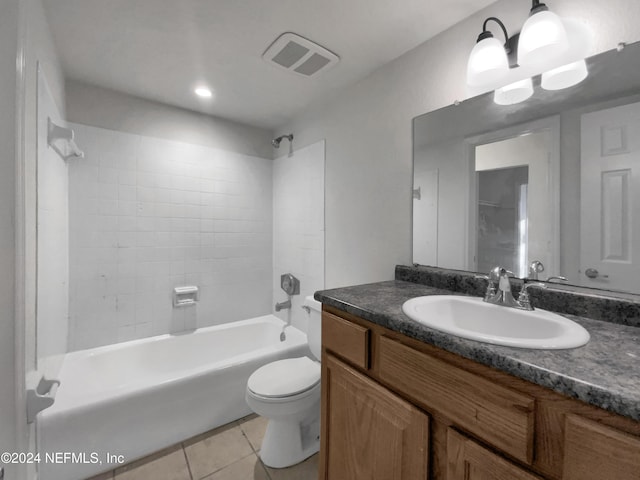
283, 305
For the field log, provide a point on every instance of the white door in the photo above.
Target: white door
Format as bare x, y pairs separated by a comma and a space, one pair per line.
610, 181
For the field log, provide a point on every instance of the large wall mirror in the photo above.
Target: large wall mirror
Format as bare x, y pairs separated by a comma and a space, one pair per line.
546, 188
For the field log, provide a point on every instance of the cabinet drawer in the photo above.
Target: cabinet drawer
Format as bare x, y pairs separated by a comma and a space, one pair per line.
596, 451
496, 414
467, 460
346, 339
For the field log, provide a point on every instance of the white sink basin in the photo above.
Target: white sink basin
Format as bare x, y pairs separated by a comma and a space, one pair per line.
470, 317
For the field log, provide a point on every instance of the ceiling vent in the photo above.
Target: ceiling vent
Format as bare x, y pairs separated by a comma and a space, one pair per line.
295, 54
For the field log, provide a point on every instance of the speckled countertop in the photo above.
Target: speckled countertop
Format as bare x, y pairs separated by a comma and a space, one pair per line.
604, 373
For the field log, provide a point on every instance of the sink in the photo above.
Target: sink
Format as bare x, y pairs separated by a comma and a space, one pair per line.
470, 317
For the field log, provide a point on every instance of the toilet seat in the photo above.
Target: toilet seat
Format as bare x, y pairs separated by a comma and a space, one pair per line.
285, 378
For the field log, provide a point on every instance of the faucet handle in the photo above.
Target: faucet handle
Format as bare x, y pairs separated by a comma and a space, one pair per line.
523, 298
491, 286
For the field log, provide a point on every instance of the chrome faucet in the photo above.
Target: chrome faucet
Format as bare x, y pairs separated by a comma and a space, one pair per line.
283, 305
499, 290
535, 268
499, 276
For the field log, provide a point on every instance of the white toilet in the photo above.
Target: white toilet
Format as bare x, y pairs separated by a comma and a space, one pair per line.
287, 392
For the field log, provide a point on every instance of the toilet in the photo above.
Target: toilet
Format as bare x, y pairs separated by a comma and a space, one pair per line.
287, 392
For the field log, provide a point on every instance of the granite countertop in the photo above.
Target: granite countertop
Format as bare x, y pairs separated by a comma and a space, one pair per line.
604, 373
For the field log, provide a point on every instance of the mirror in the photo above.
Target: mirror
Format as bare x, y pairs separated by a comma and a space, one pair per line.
546, 188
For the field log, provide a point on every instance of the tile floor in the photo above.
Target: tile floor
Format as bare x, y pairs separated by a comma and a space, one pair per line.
226, 453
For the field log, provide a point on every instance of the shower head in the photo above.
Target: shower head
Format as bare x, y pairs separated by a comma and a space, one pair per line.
276, 141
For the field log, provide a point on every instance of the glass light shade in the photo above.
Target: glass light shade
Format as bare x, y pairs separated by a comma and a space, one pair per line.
487, 63
565, 76
514, 93
542, 39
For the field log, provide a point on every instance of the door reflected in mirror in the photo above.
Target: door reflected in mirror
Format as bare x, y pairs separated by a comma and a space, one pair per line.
492, 199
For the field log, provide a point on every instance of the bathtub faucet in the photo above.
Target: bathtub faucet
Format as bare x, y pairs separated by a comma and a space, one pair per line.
283, 305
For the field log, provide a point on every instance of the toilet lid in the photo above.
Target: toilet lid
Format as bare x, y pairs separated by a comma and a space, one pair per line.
285, 378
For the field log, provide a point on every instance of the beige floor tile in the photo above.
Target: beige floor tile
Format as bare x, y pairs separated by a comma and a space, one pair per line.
103, 476
307, 470
216, 449
254, 429
169, 464
249, 468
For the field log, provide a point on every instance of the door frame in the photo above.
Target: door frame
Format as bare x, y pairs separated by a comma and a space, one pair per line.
24, 269
550, 124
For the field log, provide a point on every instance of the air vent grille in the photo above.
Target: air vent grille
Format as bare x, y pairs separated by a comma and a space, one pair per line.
290, 54
296, 54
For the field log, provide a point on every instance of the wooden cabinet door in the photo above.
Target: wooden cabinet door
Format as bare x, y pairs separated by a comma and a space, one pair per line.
593, 452
467, 460
368, 433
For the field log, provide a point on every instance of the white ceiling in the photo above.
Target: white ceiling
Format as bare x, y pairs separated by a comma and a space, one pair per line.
160, 49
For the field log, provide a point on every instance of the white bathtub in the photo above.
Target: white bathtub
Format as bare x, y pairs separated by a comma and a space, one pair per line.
137, 397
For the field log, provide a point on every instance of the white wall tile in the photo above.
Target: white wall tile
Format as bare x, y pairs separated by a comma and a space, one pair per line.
143, 217
298, 227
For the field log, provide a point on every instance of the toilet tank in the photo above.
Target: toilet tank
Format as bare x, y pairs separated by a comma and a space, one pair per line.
314, 332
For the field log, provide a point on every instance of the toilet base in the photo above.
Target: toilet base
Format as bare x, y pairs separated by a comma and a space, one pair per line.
287, 443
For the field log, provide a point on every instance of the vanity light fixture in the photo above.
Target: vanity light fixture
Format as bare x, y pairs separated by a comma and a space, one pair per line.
547, 44
514, 93
488, 62
543, 36
565, 76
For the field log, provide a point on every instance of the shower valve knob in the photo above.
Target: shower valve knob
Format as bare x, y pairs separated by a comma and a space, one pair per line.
290, 284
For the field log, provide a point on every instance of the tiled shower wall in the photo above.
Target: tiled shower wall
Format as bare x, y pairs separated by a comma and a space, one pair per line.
298, 226
148, 215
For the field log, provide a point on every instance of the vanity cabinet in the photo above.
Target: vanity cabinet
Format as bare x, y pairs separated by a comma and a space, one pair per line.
397, 408
468, 460
594, 450
369, 431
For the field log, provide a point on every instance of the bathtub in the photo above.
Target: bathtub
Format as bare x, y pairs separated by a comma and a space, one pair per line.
134, 398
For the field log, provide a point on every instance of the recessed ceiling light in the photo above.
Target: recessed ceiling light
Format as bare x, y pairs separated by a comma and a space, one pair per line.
203, 92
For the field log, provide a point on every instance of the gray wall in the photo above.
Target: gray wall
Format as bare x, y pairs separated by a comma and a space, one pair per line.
25, 25
367, 128
100, 107
8, 48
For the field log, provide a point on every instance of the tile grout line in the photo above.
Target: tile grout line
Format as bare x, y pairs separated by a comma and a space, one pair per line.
264, 468
186, 459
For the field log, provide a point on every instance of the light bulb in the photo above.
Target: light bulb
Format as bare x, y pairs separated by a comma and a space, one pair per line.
487, 63
543, 39
565, 76
514, 93
203, 92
